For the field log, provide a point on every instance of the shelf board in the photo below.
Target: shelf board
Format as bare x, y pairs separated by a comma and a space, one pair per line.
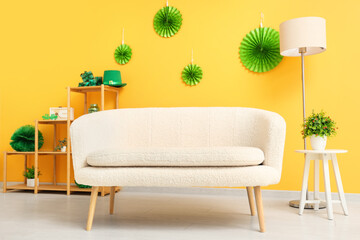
53, 121
94, 89
32, 153
58, 188
46, 187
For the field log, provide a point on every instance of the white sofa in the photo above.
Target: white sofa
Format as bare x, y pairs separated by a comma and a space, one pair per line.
179, 147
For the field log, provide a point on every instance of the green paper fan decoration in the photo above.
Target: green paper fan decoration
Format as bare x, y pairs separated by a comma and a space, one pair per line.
167, 21
192, 74
23, 139
260, 50
123, 54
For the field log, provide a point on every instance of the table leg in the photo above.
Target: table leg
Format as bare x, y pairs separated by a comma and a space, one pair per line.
327, 187
339, 183
316, 183
304, 184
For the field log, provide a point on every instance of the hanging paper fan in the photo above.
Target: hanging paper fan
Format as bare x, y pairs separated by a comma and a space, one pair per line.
192, 74
23, 139
167, 21
123, 54
260, 49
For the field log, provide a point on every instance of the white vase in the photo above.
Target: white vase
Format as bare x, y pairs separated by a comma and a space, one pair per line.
317, 142
63, 149
30, 182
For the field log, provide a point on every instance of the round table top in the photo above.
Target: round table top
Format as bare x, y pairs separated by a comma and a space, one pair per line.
322, 151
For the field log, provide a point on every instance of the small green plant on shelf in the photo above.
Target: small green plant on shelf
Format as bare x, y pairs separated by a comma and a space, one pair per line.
30, 173
61, 146
319, 124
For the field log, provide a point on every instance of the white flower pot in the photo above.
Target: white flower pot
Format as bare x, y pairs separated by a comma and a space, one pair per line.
317, 142
30, 182
63, 149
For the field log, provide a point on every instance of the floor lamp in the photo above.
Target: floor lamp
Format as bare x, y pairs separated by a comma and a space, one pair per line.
302, 37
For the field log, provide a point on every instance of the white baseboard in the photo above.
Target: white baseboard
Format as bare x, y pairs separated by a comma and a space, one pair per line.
290, 195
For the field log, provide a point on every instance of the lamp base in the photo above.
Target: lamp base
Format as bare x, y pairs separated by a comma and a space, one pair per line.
296, 203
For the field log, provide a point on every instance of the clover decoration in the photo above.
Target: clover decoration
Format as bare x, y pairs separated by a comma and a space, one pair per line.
89, 80
260, 49
192, 73
167, 21
123, 52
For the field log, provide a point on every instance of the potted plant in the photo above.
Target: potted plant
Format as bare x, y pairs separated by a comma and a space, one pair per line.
30, 176
318, 126
61, 145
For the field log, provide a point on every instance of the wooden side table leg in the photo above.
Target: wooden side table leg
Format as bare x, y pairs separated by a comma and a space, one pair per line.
339, 183
4, 182
316, 183
304, 184
327, 187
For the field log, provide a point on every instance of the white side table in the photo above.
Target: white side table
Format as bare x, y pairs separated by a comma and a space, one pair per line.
325, 156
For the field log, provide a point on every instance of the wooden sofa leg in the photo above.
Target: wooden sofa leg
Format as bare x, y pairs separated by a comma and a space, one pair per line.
251, 200
93, 197
112, 199
259, 207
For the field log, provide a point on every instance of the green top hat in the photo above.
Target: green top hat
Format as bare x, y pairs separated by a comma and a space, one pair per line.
113, 78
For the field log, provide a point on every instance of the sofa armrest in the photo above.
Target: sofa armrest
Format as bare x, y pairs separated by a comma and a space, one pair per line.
272, 140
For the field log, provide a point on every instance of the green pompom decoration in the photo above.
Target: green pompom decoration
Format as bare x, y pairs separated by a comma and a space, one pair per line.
167, 21
192, 74
123, 54
23, 139
260, 50
82, 186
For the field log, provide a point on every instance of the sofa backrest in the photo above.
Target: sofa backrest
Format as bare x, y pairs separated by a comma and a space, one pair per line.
169, 127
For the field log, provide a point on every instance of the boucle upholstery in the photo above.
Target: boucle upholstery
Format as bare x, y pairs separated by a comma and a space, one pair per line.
176, 157
179, 127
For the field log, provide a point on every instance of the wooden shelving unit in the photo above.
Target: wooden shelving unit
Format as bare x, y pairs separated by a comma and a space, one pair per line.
68, 188
85, 90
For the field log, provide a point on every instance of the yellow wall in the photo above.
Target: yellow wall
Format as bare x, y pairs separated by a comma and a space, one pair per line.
45, 45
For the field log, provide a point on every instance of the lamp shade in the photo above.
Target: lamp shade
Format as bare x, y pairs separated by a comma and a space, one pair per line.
306, 32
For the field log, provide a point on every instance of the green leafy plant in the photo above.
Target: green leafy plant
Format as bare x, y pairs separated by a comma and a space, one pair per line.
30, 173
61, 143
319, 124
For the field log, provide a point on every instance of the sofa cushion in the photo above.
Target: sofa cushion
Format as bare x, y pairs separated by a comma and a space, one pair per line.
176, 157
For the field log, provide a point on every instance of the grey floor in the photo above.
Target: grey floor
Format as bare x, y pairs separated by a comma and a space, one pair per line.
153, 214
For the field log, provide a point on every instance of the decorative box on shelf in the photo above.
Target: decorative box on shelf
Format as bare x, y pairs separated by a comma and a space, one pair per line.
61, 112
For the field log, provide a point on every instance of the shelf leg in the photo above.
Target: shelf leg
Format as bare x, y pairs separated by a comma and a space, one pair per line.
54, 168
36, 155
4, 182
85, 103
102, 94
25, 166
117, 100
68, 148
